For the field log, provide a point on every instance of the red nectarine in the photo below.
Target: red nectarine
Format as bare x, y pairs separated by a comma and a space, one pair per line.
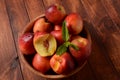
62, 64
84, 49
42, 26
26, 43
41, 63
58, 36
55, 13
74, 23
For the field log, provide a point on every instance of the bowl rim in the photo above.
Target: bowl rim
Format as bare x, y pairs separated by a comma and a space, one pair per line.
26, 29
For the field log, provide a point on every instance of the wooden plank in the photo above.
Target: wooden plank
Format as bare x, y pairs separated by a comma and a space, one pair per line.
102, 53
113, 9
100, 60
113, 12
9, 63
116, 4
19, 18
17, 15
74, 7
34, 8
47, 3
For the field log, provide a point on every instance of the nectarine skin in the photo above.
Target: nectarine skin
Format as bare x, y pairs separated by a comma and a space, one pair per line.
58, 36
74, 23
62, 64
84, 49
42, 26
55, 13
57, 27
26, 43
41, 63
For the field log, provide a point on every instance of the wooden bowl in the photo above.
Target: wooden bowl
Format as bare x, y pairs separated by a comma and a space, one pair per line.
27, 62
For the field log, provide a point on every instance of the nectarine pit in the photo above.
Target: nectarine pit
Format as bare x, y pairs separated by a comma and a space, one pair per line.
46, 44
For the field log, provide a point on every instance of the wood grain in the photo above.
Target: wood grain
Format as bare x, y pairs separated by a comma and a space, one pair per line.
113, 11
97, 13
34, 8
47, 3
101, 17
9, 61
114, 33
18, 18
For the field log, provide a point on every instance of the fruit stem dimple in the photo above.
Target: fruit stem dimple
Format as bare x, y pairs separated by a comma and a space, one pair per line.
59, 8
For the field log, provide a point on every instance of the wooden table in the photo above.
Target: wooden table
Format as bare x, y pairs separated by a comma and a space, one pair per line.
102, 16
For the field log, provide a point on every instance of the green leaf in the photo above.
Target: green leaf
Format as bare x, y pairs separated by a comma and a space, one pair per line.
61, 49
74, 46
65, 33
67, 43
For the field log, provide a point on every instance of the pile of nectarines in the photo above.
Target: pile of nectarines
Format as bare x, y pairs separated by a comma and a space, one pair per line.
56, 42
